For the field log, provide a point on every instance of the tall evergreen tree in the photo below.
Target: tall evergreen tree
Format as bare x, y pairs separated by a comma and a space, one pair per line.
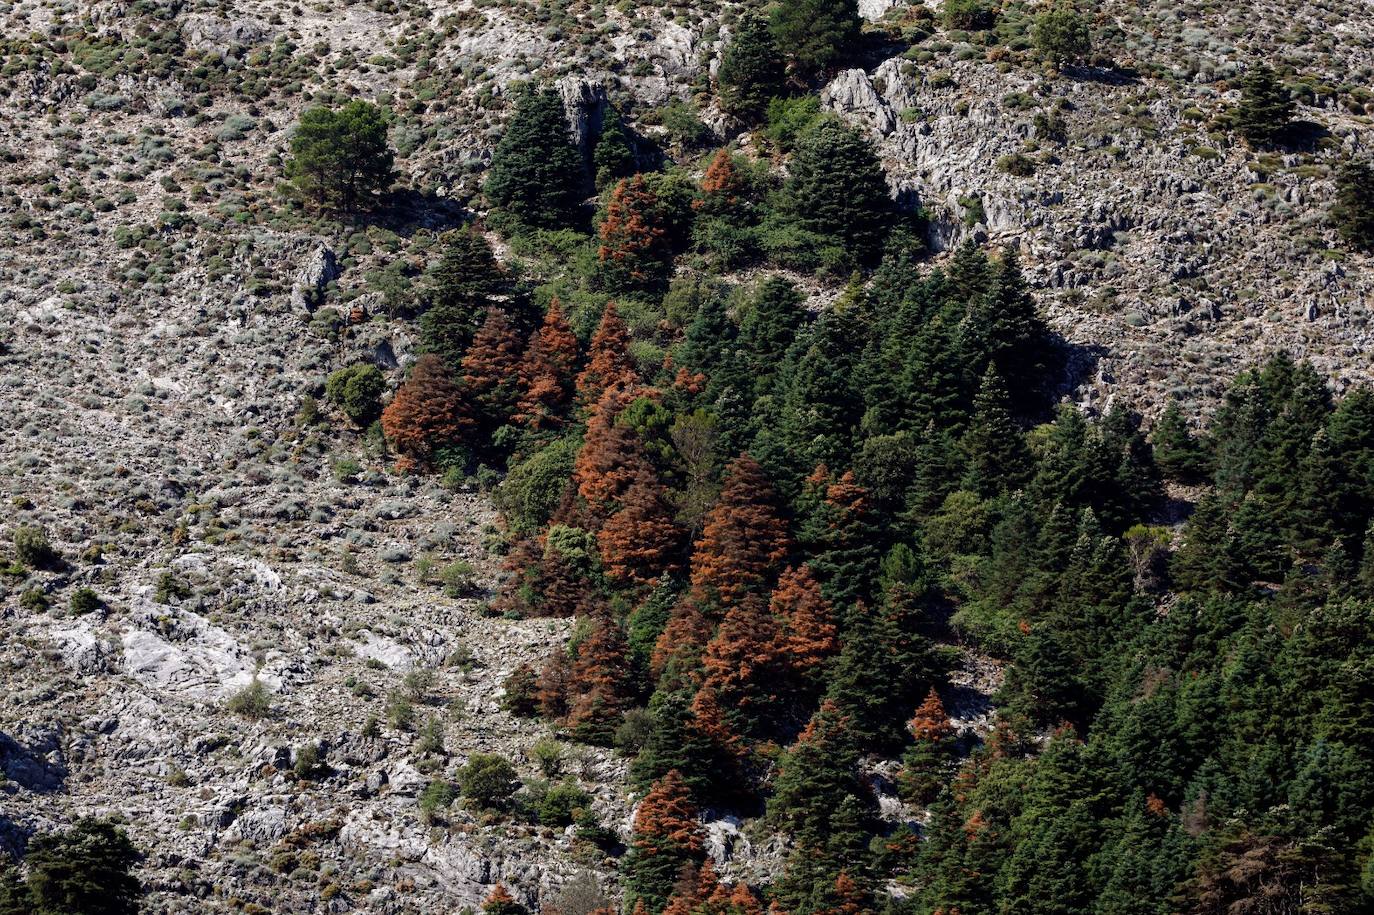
1266, 108
815, 34
464, 284
996, 454
836, 190
751, 70
665, 840
536, 173
1353, 213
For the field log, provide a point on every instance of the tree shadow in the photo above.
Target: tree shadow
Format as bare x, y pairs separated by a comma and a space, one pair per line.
1107, 76
406, 211
1077, 361
1303, 136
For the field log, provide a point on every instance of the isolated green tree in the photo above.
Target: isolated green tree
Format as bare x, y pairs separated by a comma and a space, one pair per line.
1266, 108
536, 174
751, 70
356, 390
815, 34
1062, 35
1353, 213
340, 159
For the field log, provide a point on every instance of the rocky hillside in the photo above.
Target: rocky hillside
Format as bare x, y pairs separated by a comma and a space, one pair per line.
167, 321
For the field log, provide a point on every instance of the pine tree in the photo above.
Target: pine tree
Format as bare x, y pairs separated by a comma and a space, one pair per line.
609, 363
815, 417
490, 370
640, 542
722, 188
546, 373
882, 668
536, 173
997, 458
1003, 329
841, 534
1353, 212
462, 287
598, 683
742, 664
743, 540
751, 70
341, 159
836, 189
809, 633
427, 414
1265, 107
665, 840
614, 155
634, 251
1179, 455
774, 315
86, 869
815, 34
815, 777
612, 457
925, 762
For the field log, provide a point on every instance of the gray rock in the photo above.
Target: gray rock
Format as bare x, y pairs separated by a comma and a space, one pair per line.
307, 293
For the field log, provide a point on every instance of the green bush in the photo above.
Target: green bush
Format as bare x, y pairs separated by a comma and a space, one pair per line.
437, 796
488, 781
789, 118
84, 601
357, 391
561, 803
253, 701
31, 547
968, 15
533, 487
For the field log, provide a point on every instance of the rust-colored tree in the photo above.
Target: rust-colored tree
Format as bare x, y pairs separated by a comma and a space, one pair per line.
665, 843
546, 373
611, 458
428, 413
609, 363
682, 641
634, 251
743, 665
809, 634
490, 369
926, 762
744, 538
553, 685
641, 541
721, 187
598, 687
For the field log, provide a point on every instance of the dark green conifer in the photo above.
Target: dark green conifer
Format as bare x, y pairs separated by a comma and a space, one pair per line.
536, 174
751, 70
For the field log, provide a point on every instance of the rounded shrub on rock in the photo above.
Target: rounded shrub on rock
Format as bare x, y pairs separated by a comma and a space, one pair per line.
488, 780
357, 391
